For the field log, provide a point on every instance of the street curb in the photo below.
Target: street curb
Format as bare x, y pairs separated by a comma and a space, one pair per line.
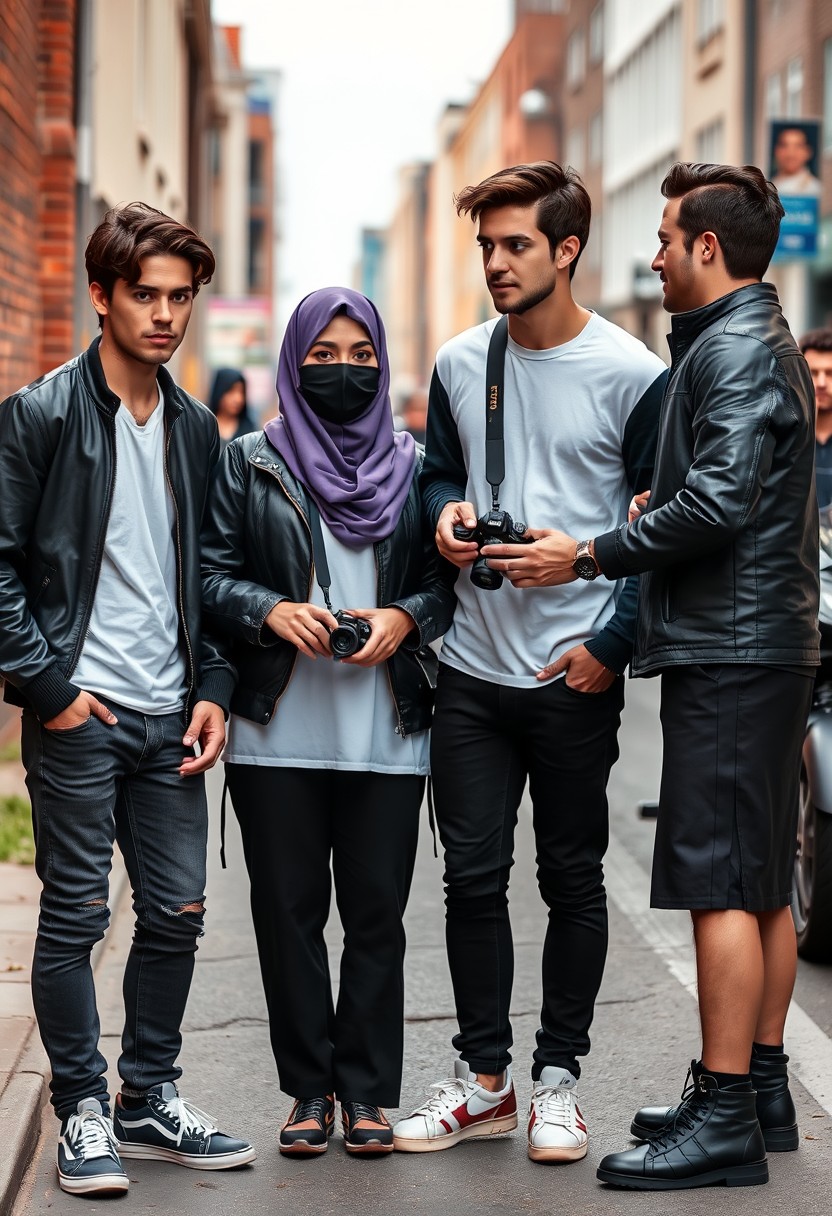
27, 1092
20, 1118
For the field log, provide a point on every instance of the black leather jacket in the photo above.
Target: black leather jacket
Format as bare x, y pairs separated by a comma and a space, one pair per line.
57, 471
257, 539
728, 550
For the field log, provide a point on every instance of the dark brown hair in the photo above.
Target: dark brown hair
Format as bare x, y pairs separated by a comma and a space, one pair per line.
135, 231
563, 206
816, 339
737, 204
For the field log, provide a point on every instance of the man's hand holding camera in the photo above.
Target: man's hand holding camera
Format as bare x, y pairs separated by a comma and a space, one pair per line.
461, 552
546, 563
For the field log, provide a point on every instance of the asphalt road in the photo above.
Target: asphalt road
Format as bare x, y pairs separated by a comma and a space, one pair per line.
644, 1035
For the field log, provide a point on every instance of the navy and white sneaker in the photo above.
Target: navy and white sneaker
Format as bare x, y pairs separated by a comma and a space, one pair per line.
167, 1128
88, 1161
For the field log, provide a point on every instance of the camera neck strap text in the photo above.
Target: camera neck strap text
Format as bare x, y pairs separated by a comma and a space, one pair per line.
322, 574
495, 451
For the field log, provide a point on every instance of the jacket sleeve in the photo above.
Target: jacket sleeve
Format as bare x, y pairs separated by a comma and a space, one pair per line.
26, 660
432, 606
735, 389
613, 645
217, 676
444, 476
232, 606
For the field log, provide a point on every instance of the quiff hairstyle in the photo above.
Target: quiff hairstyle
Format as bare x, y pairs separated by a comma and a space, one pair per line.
136, 231
737, 204
816, 339
563, 206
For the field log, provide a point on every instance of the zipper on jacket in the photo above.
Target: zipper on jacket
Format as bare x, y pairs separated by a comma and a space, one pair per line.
273, 471
399, 723
180, 591
99, 557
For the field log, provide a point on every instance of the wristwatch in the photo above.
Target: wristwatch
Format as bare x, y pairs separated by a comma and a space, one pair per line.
585, 565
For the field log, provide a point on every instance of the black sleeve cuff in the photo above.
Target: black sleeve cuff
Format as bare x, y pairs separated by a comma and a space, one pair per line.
611, 650
50, 692
607, 557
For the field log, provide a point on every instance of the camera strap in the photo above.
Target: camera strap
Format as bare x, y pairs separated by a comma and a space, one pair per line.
495, 451
322, 574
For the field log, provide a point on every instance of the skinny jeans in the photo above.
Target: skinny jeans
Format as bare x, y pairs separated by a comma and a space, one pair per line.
487, 741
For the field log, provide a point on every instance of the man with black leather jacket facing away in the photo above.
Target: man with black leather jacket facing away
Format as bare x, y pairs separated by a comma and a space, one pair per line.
104, 465
727, 550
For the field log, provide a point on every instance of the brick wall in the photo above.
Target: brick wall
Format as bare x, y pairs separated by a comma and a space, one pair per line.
37, 187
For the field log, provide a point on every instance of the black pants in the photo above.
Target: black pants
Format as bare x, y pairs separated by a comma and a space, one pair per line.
486, 740
294, 822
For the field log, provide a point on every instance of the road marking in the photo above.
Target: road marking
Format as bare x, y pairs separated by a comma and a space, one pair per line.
669, 934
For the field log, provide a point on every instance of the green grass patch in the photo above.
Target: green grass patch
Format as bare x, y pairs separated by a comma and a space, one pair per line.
16, 840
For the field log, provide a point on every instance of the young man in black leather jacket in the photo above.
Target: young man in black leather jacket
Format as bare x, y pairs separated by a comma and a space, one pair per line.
728, 555
104, 465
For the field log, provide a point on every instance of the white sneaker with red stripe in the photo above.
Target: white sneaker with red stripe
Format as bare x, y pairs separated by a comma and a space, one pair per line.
457, 1110
557, 1131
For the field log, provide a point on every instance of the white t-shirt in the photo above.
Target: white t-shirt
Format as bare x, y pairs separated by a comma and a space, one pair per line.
132, 653
334, 715
565, 413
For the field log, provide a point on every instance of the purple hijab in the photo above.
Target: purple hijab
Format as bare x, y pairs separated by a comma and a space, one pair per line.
359, 475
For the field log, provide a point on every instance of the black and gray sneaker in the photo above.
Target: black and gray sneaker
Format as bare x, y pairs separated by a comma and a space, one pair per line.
167, 1128
88, 1161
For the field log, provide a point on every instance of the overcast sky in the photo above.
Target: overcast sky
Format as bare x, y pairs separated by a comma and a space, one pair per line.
364, 82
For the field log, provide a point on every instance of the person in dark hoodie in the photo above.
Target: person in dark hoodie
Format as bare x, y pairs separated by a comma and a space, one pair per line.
228, 404
326, 762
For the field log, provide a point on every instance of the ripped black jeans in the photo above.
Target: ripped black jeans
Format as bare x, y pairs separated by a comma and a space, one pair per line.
89, 786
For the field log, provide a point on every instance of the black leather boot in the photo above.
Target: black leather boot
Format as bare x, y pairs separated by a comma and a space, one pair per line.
775, 1108
714, 1138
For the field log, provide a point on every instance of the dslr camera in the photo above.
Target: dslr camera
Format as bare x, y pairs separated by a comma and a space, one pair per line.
349, 636
494, 528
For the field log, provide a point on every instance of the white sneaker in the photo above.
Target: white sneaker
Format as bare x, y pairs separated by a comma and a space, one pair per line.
557, 1131
457, 1110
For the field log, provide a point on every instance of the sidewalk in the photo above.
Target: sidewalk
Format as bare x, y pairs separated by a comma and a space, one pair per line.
23, 1064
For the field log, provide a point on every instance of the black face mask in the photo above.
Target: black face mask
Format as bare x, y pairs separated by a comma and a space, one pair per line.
339, 392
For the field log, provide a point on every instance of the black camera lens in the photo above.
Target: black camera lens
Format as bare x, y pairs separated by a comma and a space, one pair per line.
349, 636
484, 577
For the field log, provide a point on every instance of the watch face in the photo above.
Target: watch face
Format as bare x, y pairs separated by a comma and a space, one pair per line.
585, 567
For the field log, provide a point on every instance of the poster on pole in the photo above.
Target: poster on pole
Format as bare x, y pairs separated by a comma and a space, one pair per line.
794, 166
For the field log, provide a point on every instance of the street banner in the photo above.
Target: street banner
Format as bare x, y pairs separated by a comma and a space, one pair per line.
794, 162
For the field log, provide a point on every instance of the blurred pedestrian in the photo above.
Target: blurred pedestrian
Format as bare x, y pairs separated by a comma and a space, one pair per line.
229, 405
326, 761
414, 415
580, 414
727, 549
104, 466
817, 351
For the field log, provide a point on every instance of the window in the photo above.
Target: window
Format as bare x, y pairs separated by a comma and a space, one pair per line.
710, 142
596, 34
710, 17
794, 88
827, 95
596, 138
774, 96
575, 58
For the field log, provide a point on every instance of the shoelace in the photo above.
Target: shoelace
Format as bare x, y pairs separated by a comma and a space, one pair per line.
91, 1135
189, 1118
372, 1114
311, 1108
684, 1122
443, 1092
554, 1105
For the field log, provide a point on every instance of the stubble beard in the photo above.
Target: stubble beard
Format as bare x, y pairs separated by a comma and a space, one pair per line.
526, 302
